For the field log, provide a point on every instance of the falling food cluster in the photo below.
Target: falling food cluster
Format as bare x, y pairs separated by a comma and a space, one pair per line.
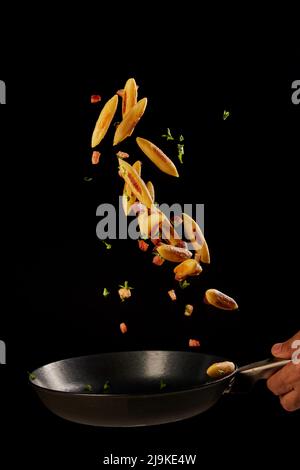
138, 198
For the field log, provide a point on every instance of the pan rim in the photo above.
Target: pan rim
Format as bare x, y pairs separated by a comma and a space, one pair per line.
133, 395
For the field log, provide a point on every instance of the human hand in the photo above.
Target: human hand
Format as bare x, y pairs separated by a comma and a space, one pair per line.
286, 382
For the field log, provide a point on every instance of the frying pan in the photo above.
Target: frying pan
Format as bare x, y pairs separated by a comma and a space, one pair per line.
144, 387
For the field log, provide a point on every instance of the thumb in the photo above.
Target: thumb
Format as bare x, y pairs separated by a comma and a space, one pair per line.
285, 350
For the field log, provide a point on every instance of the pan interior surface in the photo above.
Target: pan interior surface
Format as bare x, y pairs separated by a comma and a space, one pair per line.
132, 373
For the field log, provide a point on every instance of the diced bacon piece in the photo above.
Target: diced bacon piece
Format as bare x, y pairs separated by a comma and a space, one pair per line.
95, 157
158, 260
143, 245
95, 99
157, 156
123, 328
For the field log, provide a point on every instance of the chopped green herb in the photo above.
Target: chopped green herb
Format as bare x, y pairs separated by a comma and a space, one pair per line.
226, 114
106, 387
162, 385
107, 245
184, 284
87, 179
88, 388
105, 292
181, 138
31, 376
168, 135
180, 148
126, 286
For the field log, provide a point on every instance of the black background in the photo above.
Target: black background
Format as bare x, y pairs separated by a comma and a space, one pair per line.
243, 170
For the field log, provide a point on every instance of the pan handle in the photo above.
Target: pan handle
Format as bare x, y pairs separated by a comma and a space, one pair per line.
247, 376
262, 369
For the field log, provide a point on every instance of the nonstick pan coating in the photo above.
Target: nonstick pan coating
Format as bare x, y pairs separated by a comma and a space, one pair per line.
135, 396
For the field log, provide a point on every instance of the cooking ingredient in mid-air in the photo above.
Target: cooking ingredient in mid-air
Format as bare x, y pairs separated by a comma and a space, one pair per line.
157, 156
158, 260
124, 291
95, 157
123, 328
95, 99
105, 292
129, 96
143, 245
188, 310
135, 183
129, 122
219, 300
173, 253
189, 267
172, 294
106, 116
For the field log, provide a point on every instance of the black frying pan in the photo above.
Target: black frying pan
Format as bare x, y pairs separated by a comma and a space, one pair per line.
142, 388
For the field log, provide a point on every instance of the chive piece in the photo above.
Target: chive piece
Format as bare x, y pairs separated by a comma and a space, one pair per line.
107, 245
105, 292
180, 148
162, 385
126, 286
184, 284
31, 376
106, 387
88, 388
87, 179
181, 138
168, 135
226, 114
